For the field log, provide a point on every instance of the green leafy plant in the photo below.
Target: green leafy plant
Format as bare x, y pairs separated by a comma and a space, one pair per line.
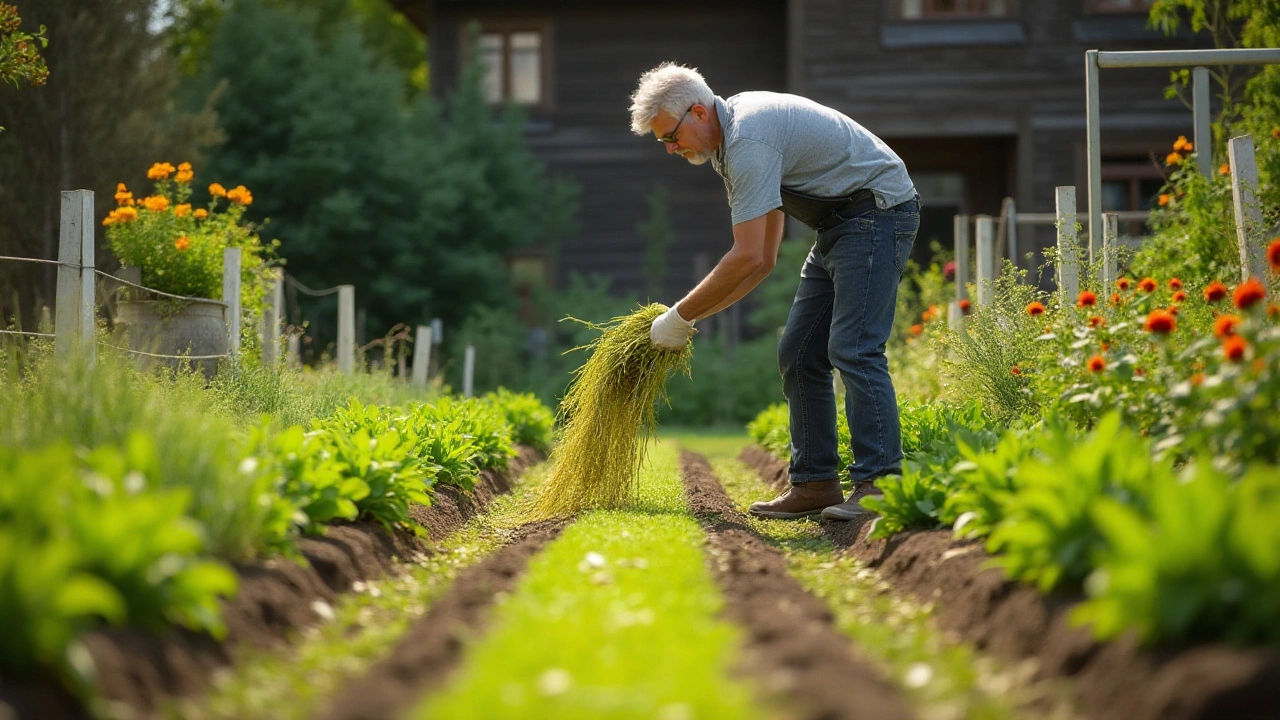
532, 423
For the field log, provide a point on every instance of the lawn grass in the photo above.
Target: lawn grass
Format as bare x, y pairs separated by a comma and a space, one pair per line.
945, 679
295, 683
616, 618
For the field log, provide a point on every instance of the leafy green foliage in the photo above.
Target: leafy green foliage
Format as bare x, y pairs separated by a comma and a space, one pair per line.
531, 422
20, 59
771, 430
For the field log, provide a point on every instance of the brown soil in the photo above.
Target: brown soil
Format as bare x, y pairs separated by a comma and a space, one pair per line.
1113, 681
277, 598
433, 646
792, 645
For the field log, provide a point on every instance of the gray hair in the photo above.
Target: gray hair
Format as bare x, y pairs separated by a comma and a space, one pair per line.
669, 87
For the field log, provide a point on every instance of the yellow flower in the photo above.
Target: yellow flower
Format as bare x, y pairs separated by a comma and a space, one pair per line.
123, 196
160, 171
185, 173
217, 190
125, 214
182, 243
1173, 159
182, 210
241, 195
156, 203
201, 213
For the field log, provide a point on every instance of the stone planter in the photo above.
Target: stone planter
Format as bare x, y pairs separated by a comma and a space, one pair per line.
196, 329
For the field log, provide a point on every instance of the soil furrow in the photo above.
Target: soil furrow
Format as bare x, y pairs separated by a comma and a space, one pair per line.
277, 598
434, 645
1113, 681
792, 644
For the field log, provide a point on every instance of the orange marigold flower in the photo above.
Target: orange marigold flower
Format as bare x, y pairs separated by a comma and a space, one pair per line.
184, 176
1248, 293
1197, 379
1148, 285
182, 243
160, 171
182, 210
1173, 309
1172, 159
1124, 283
240, 195
1225, 326
1273, 255
1106, 346
1175, 284
1097, 364
1225, 169
1179, 296
965, 306
1096, 321
125, 214
1164, 199
916, 329
1182, 144
1215, 291
1273, 310
929, 313
1115, 298
124, 197
217, 190
201, 213
1234, 347
1035, 308
1087, 299
1160, 321
156, 203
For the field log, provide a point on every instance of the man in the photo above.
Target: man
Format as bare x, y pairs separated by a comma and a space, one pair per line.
779, 154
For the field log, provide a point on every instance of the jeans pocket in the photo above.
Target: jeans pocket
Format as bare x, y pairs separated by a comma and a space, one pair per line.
904, 237
858, 225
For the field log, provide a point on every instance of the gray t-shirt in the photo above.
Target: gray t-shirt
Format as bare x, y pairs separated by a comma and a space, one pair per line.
775, 140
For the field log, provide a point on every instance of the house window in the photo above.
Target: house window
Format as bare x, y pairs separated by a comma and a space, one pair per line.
950, 9
514, 60
1129, 186
1119, 6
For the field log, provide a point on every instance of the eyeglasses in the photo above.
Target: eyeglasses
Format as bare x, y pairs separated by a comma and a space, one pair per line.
670, 138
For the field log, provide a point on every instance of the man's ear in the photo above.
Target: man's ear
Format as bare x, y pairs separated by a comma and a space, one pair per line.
699, 111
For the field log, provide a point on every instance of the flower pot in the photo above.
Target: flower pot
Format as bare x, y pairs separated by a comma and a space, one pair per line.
196, 329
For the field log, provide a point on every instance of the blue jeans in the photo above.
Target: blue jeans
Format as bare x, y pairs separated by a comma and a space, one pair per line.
841, 319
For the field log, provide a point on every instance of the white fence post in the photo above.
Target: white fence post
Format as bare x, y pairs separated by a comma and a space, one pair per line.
469, 371
1068, 244
960, 230
984, 229
1201, 137
1110, 237
271, 321
421, 355
346, 328
231, 296
1244, 185
1011, 227
74, 308
293, 351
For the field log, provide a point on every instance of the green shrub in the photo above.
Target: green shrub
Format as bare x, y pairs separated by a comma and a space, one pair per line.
532, 423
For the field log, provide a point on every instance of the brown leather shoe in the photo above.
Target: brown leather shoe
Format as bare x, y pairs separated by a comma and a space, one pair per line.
852, 509
802, 500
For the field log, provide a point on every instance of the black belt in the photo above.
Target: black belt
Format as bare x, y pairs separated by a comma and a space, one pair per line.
861, 201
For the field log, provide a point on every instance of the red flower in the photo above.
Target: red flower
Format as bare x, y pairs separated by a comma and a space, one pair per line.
1234, 347
1124, 283
1097, 364
1106, 346
1215, 291
1225, 326
1197, 378
964, 306
1273, 255
1016, 370
1115, 298
1096, 321
1148, 285
1139, 372
1087, 299
916, 329
1160, 321
1175, 284
1273, 310
1179, 296
1173, 309
1248, 293
1035, 308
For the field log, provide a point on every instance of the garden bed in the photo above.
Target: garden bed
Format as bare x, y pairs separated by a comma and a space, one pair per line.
1015, 621
277, 598
792, 645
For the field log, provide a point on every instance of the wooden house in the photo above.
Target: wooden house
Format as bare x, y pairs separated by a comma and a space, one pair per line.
983, 99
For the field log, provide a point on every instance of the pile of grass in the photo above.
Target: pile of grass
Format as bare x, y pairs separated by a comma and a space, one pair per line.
607, 416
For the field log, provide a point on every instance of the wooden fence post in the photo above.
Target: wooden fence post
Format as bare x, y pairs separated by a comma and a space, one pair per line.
1244, 186
469, 371
1011, 227
271, 321
421, 355
346, 328
293, 351
984, 229
74, 307
1201, 136
1110, 238
231, 296
1068, 271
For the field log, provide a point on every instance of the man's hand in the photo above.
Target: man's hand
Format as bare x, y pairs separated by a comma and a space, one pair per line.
670, 331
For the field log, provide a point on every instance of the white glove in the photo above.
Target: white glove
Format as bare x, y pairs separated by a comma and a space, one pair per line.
670, 331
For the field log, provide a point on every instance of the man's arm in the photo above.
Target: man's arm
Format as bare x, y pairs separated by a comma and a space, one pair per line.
754, 253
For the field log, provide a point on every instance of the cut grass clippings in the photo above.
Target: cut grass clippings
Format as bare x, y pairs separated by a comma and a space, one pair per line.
617, 618
607, 416
295, 683
946, 679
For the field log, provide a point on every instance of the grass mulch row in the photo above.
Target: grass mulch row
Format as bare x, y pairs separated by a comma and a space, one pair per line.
792, 646
138, 672
1113, 681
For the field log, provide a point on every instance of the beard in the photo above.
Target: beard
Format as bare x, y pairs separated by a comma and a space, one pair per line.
697, 158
